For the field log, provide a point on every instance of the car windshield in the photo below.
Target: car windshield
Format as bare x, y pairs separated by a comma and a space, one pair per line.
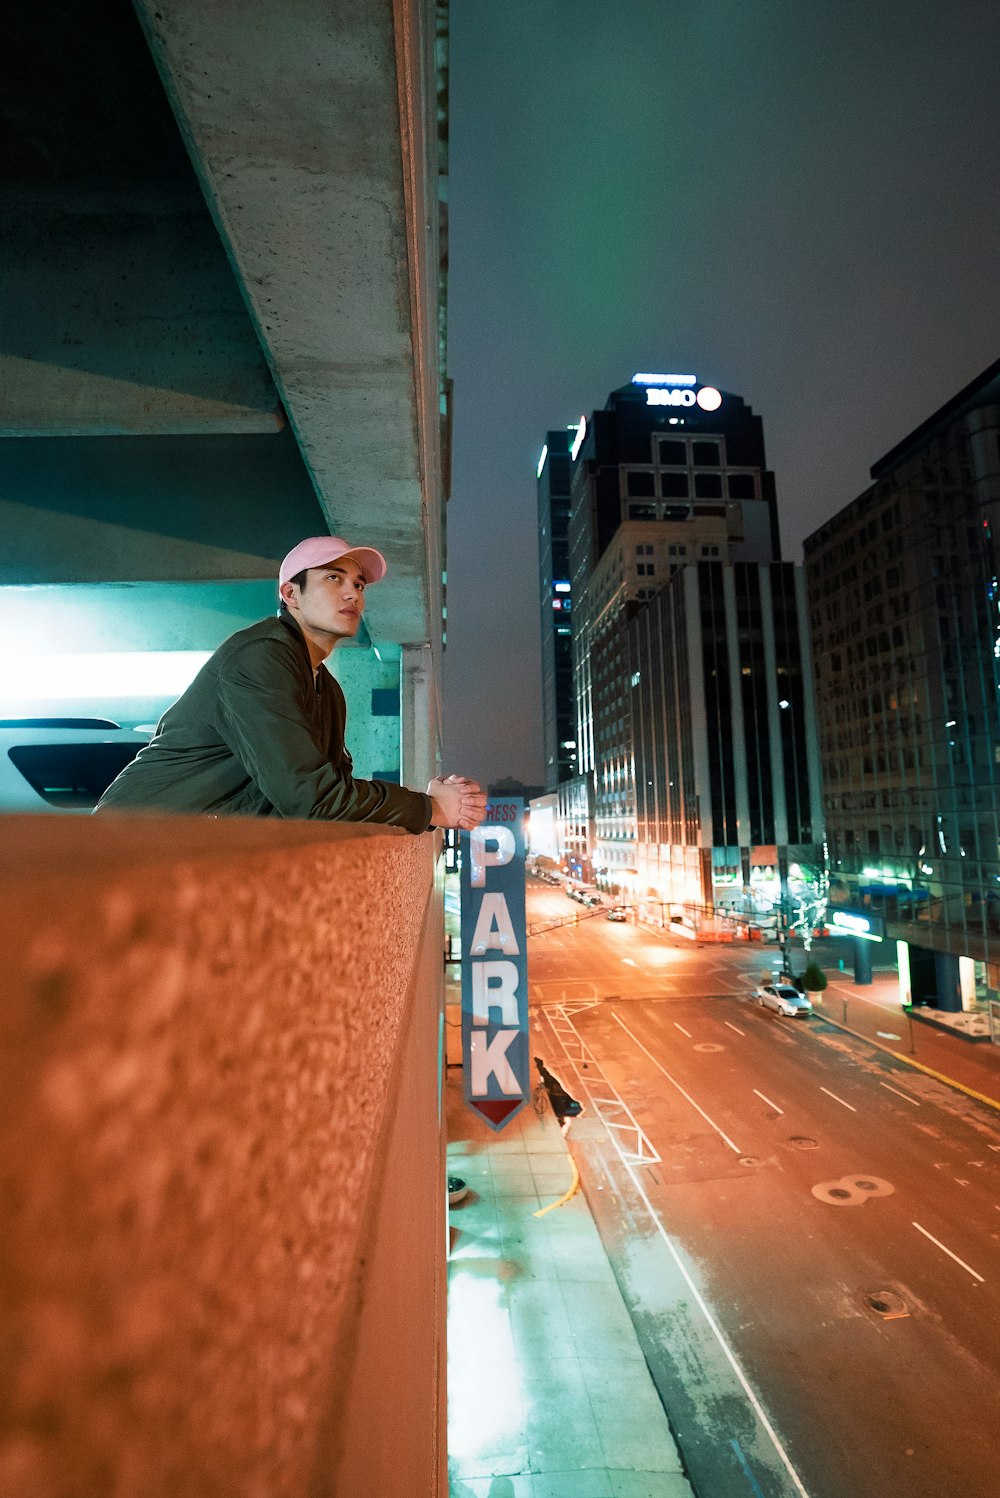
792, 994
72, 775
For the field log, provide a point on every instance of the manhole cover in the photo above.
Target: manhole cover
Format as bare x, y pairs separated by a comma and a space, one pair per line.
708, 1045
866, 1185
838, 1193
803, 1142
885, 1303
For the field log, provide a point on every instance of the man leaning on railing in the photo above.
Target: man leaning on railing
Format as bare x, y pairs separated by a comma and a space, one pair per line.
260, 730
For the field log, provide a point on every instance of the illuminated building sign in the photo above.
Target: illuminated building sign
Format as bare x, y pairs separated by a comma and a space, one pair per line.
866, 927
677, 390
541, 461
708, 398
664, 379
495, 965
581, 432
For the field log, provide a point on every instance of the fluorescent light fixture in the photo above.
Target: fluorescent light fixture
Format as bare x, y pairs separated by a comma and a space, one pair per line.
561, 587
664, 379
903, 964
114, 673
581, 433
541, 461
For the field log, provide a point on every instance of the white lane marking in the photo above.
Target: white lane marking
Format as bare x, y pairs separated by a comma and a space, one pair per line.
887, 1035
767, 1100
995, 1146
839, 1100
702, 1306
628, 962
682, 1030
734, 1147
899, 1094
948, 1251
736, 1028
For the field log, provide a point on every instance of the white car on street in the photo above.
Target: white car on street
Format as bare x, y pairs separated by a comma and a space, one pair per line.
783, 999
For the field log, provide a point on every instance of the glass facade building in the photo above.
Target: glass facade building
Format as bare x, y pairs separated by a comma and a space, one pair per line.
556, 605
728, 799
667, 474
905, 614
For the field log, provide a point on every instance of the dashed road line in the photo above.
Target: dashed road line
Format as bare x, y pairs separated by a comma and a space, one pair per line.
660, 1067
900, 1094
767, 1100
839, 1100
682, 1030
948, 1251
736, 1028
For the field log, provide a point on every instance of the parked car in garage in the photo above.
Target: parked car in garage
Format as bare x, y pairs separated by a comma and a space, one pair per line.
618, 913
61, 764
784, 999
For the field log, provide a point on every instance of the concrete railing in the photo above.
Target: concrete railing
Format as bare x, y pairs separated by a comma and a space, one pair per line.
222, 1219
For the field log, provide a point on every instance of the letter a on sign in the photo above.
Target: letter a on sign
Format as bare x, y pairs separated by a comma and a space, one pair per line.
494, 965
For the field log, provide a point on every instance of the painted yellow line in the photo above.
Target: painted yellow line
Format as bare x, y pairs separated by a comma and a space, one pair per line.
980, 1097
939, 1076
574, 1188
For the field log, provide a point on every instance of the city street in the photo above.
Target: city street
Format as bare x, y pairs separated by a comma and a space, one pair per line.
813, 1261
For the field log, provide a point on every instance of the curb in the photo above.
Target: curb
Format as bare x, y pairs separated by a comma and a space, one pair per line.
980, 1097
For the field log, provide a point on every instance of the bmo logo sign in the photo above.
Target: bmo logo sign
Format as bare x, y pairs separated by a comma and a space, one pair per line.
495, 965
678, 390
708, 398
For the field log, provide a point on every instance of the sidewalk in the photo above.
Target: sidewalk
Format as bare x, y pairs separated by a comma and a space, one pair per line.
549, 1393
875, 1013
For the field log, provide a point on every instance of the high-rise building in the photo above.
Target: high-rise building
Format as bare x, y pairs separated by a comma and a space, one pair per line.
905, 605
693, 710
556, 604
728, 799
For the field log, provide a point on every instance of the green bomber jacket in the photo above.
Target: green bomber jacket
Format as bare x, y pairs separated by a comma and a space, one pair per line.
259, 733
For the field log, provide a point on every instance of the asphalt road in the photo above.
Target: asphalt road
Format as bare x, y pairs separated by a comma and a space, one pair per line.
806, 1186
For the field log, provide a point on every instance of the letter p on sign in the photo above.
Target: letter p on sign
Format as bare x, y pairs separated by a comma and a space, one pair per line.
489, 848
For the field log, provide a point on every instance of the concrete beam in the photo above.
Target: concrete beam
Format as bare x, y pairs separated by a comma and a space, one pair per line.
306, 123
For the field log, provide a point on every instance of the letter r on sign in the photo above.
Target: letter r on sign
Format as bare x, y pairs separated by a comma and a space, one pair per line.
503, 995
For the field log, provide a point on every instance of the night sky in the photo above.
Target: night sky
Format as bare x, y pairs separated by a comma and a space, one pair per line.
796, 200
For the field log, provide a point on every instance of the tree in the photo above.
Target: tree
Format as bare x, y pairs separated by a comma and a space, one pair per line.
808, 891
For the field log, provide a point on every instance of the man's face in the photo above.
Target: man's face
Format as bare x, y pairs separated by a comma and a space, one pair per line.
333, 600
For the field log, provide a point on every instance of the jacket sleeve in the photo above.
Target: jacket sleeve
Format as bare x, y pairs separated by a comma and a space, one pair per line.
264, 720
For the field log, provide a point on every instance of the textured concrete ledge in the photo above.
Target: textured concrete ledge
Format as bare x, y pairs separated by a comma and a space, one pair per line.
201, 1027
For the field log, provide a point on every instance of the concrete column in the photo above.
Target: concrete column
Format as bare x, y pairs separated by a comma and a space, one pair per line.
862, 962
949, 985
420, 731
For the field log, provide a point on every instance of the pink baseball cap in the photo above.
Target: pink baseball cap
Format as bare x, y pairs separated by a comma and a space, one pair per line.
319, 551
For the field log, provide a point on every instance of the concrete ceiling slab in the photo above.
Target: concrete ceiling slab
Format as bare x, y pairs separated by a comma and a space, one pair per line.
300, 123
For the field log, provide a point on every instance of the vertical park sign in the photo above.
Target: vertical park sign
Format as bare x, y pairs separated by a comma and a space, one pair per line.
495, 964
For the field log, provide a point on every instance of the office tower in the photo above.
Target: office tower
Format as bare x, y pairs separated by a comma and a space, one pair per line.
720, 698
673, 557
903, 590
556, 604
